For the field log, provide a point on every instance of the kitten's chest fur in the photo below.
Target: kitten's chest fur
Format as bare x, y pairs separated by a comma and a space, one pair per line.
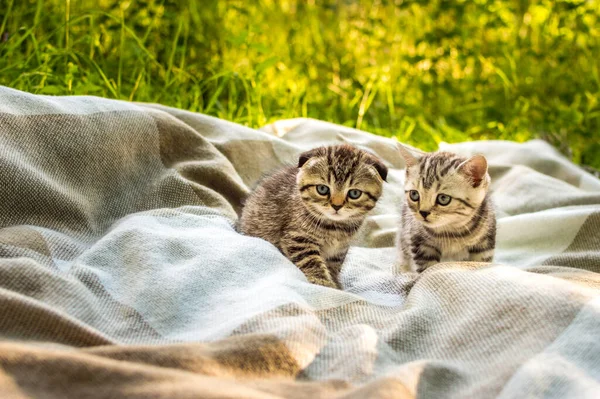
331, 246
454, 249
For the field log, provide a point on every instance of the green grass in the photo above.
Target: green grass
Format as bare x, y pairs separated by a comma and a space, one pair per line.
421, 71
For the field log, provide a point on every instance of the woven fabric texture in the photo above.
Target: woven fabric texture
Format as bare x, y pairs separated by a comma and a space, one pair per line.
121, 274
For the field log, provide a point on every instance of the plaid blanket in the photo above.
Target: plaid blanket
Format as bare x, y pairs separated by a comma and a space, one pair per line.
121, 274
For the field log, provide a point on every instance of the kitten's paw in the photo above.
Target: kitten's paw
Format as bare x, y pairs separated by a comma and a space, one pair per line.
324, 282
422, 268
402, 267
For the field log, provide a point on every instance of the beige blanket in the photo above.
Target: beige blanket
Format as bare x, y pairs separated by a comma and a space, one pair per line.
121, 274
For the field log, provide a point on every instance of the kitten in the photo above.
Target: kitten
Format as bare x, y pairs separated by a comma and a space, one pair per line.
311, 212
447, 213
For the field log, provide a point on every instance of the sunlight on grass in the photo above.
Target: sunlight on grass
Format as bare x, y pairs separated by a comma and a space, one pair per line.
420, 71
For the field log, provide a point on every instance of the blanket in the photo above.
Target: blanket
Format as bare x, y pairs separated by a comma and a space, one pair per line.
122, 274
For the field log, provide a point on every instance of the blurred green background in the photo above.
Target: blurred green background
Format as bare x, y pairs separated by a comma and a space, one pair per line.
423, 71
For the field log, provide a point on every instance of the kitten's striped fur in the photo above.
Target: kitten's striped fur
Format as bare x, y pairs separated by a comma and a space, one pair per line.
287, 210
462, 230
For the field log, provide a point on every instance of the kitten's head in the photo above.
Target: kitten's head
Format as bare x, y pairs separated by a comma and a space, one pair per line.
444, 190
340, 182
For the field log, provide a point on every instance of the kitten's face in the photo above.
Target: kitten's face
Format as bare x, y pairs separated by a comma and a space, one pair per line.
444, 190
340, 182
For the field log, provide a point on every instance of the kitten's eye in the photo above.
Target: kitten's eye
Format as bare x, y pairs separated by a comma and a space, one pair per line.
322, 189
354, 194
414, 195
443, 199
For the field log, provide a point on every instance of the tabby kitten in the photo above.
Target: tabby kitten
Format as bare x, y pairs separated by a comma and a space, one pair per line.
447, 213
310, 212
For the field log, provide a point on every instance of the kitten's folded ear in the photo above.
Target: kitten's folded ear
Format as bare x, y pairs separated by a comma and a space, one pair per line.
378, 165
305, 156
475, 168
409, 158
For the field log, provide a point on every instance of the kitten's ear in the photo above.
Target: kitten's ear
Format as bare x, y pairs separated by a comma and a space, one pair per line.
305, 156
409, 158
378, 165
475, 168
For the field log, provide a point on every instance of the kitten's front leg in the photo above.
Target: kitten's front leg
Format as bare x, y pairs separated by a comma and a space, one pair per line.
477, 254
305, 253
424, 253
334, 264
484, 250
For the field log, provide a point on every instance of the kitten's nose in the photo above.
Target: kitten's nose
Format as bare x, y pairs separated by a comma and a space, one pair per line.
424, 214
336, 207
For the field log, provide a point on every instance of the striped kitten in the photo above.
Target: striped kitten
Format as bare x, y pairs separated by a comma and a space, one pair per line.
310, 212
447, 213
